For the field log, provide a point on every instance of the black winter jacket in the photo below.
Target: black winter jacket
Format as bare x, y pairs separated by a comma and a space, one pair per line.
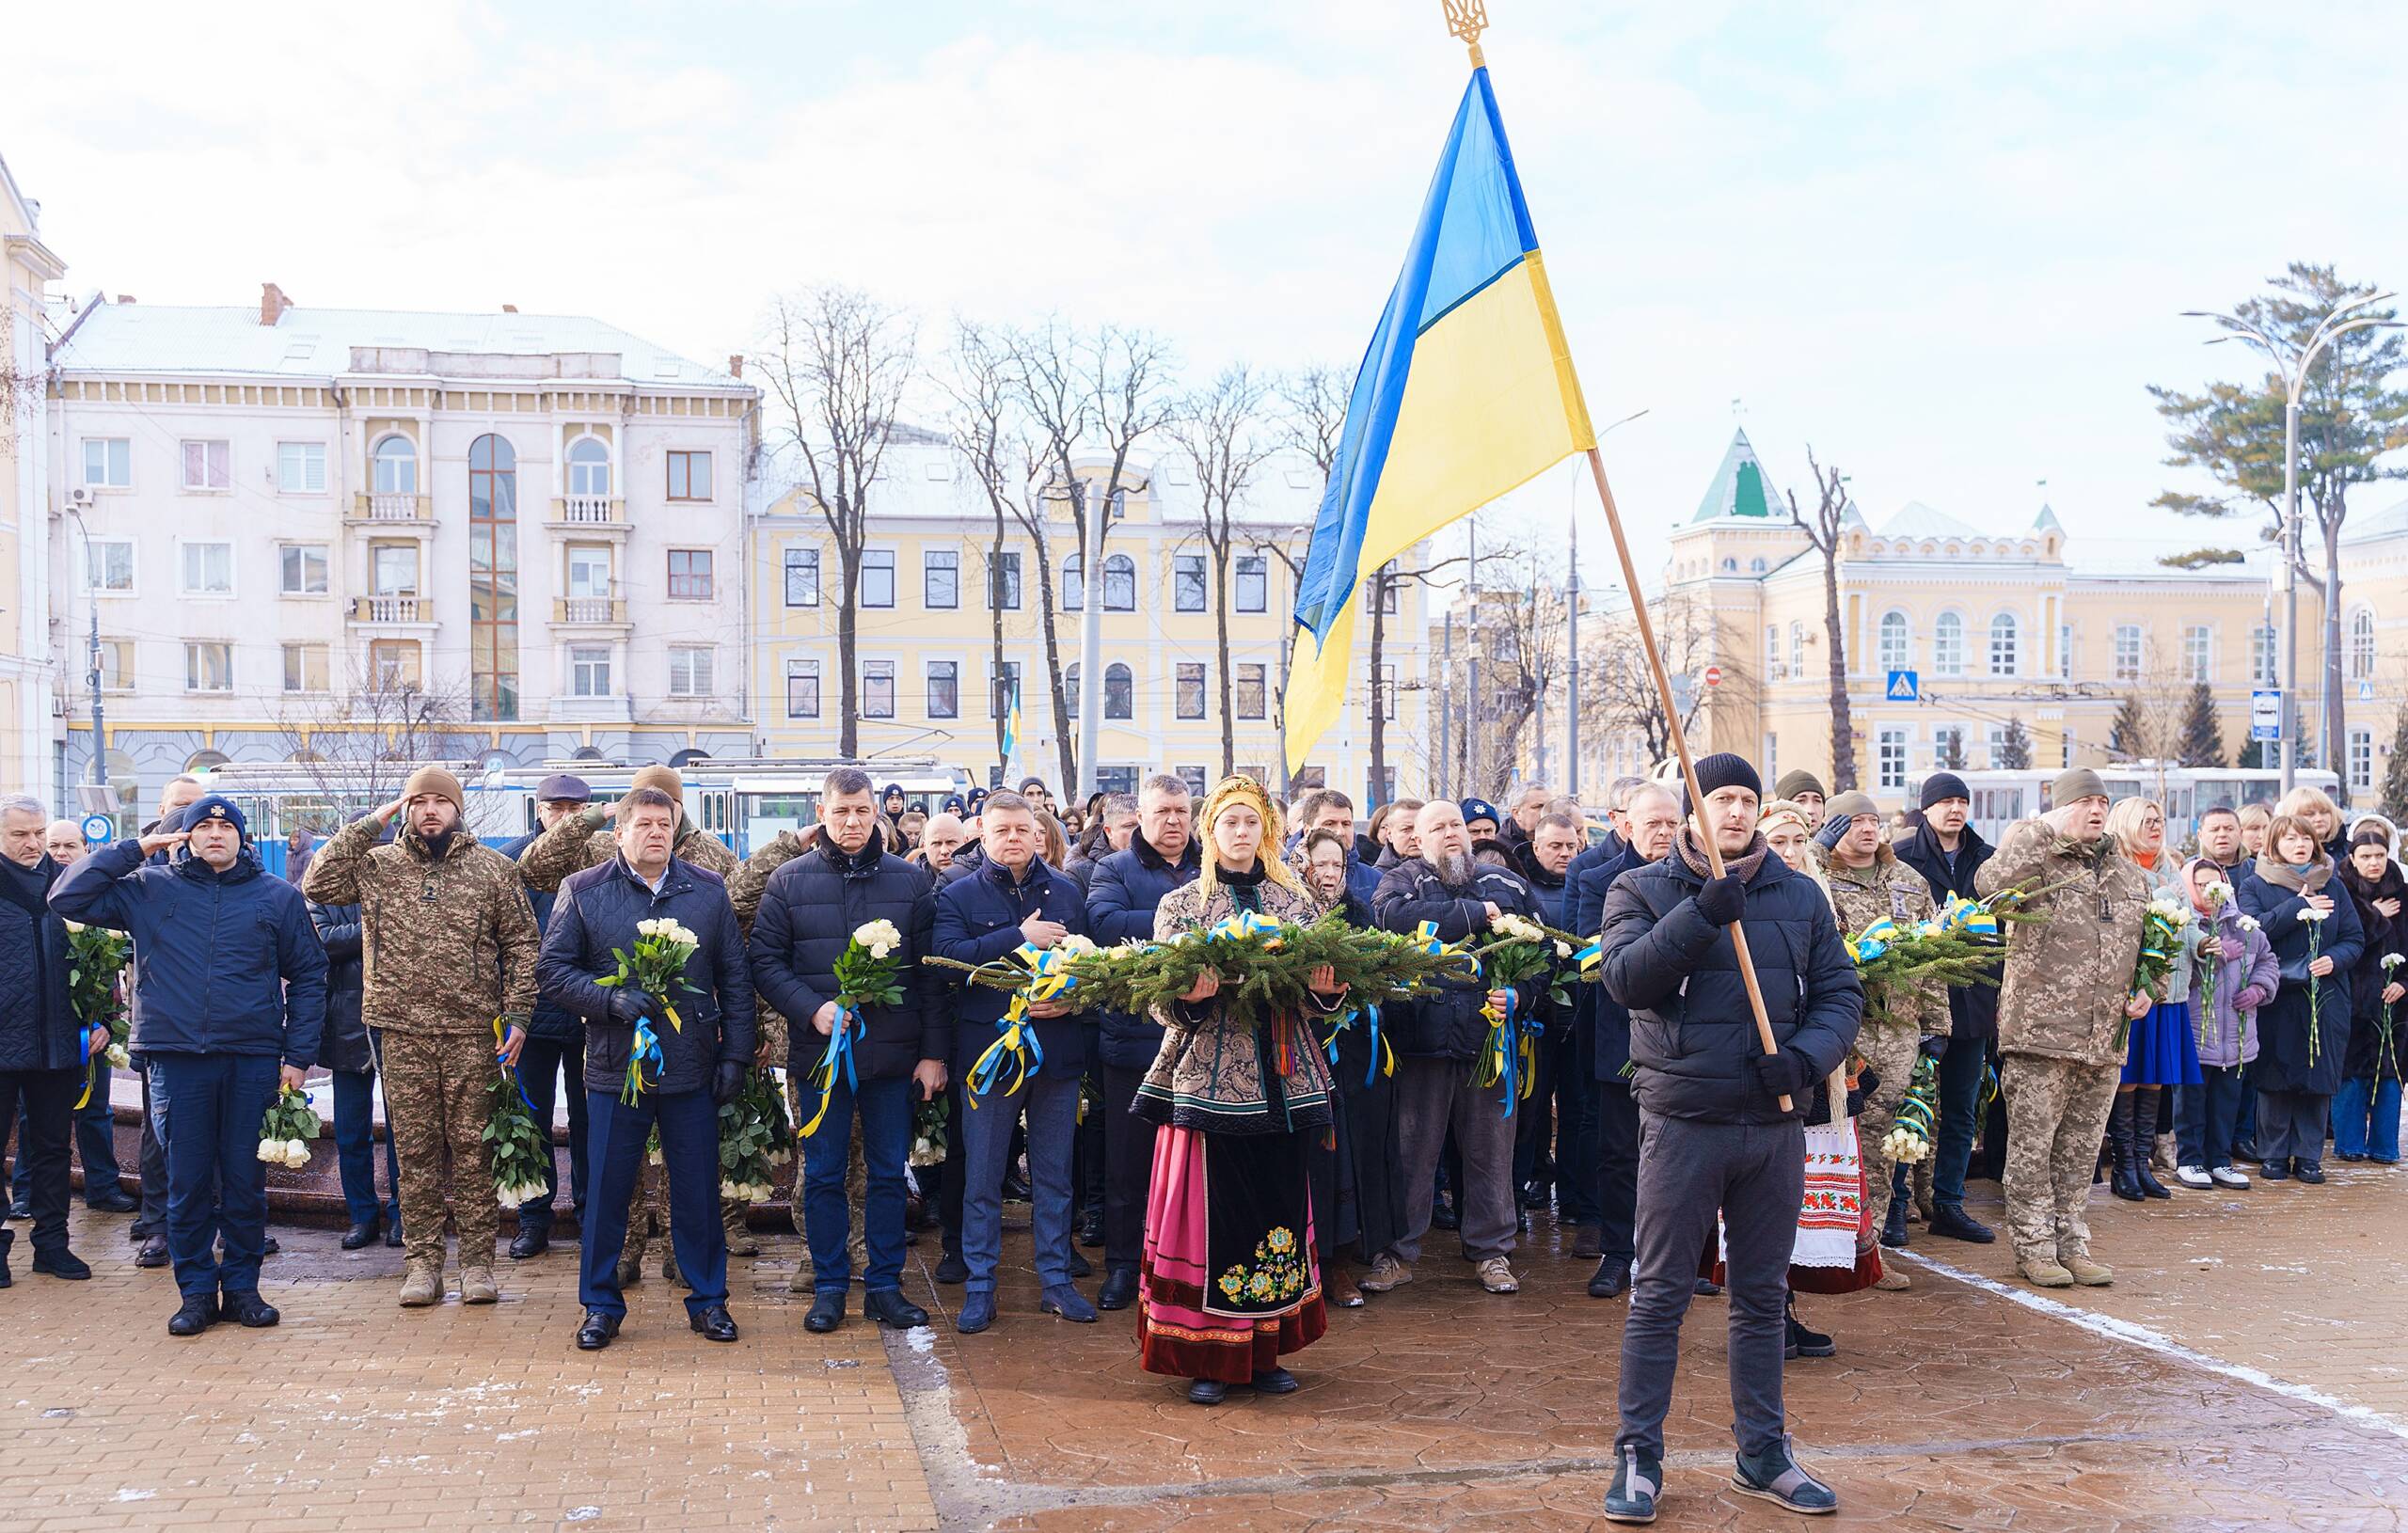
37, 1025
977, 921
343, 1045
1121, 897
1447, 1023
596, 911
546, 1021
1692, 1030
1608, 1019
1973, 1009
809, 910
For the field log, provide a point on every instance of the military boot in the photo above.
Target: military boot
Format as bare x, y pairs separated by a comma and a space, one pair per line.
2043, 1270
477, 1285
2089, 1273
421, 1284
741, 1242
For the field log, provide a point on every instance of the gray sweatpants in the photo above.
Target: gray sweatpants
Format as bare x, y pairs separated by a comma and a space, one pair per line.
1755, 1174
1433, 1095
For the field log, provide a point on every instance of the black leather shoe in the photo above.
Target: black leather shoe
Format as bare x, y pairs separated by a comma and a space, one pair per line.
529, 1242
153, 1254
2245, 1149
393, 1235
66, 1264
19, 1210
888, 1307
270, 1247
198, 1314
1894, 1228
7, 1238
2308, 1172
1080, 1265
595, 1333
1120, 1288
1442, 1216
246, 1308
2275, 1171
111, 1200
827, 1311
952, 1268
358, 1236
1275, 1381
1091, 1231
715, 1323
1951, 1220
1611, 1279
1207, 1392
1015, 1189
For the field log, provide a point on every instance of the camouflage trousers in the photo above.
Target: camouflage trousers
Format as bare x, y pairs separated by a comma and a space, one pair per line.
2057, 1108
437, 1095
1890, 1049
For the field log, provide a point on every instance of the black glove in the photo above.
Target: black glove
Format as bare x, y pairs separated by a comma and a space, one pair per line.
1936, 1046
629, 1006
1828, 835
1722, 900
1782, 1074
728, 1083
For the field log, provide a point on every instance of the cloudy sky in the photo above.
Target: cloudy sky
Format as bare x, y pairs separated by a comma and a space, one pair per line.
1947, 245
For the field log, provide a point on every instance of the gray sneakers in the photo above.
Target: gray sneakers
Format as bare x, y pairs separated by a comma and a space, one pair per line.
1638, 1479
1776, 1478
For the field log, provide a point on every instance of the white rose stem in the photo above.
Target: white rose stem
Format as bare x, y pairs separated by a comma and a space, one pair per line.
1681, 748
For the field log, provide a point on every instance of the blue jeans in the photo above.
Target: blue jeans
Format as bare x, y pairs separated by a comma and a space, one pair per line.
355, 1150
2353, 1105
886, 1109
542, 1062
95, 1143
688, 1124
1051, 1099
1961, 1069
207, 1108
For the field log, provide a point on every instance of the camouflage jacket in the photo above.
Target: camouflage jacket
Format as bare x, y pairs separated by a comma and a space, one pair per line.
447, 943
583, 840
1861, 896
2066, 977
751, 875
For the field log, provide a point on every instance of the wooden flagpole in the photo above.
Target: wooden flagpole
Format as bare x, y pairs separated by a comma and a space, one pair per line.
1466, 20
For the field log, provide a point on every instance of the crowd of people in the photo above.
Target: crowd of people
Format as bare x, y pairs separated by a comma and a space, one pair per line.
1238, 1176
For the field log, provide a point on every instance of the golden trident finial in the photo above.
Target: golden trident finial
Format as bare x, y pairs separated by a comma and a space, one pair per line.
1467, 20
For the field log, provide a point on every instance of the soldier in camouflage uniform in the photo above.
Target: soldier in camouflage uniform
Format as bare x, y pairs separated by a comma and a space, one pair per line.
585, 839
448, 945
1868, 883
2066, 989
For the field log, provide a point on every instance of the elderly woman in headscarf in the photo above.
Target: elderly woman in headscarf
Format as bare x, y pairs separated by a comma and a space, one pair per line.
1229, 1282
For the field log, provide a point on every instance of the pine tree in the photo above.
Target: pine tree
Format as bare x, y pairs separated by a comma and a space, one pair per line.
1952, 750
2014, 751
2125, 737
2395, 777
2202, 734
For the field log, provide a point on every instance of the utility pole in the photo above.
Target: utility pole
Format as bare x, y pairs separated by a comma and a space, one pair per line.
1472, 709
1445, 704
1090, 644
1572, 704
93, 671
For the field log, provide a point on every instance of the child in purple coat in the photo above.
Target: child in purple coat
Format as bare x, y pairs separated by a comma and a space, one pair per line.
2232, 971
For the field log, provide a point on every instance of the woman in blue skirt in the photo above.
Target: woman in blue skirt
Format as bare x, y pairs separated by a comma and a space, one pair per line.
2162, 1051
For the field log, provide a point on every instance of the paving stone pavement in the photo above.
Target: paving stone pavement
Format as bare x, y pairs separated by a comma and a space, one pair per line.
2240, 1374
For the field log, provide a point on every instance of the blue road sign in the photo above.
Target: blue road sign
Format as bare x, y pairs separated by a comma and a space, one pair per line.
2266, 714
1905, 687
99, 830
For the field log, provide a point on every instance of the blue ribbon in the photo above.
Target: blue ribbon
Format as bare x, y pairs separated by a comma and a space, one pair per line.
1509, 1066
645, 1050
839, 1056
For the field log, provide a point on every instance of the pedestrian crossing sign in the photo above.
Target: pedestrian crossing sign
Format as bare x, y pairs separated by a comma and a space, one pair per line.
1903, 687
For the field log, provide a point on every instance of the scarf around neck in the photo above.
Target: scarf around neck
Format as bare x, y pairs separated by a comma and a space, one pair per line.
1743, 867
2298, 883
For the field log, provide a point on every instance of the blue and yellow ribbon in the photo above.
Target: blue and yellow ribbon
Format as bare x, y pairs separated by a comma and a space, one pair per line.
84, 1046
643, 1049
1016, 1041
1382, 1058
1969, 918
510, 1073
1426, 936
838, 1057
1244, 925
1590, 958
1873, 942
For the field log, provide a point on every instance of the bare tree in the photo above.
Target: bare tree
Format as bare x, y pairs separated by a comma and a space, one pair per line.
1824, 530
359, 747
981, 424
1221, 429
839, 364
1625, 700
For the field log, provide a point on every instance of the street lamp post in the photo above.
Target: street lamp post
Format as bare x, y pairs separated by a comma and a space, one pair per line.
93, 671
2294, 371
1572, 601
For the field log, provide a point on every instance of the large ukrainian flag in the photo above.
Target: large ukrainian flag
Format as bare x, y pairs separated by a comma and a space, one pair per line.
1466, 391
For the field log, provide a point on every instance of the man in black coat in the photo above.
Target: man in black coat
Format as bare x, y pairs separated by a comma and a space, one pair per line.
1713, 1134
149, 1227
1437, 1040
555, 1046
1948, 852
347, 1055
1121, 897
809, 911
42, 1045
703, 1057
1652, 817
1550, 1152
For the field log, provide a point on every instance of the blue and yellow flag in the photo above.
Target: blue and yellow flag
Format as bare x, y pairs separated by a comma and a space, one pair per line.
1466, 391
1011, 732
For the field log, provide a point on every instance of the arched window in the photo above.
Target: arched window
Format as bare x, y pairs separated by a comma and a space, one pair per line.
1070, 692
396, 466
202, 761
2004, 645
1074, 584
587, 752
1119, 583
1730, 566
1948, 645
493, 579
1119, 688
1896, 647
686, 758
589, 467
1757, 566
2362, 644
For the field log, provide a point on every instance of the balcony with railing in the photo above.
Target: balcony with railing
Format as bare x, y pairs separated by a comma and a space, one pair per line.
393, 608
603, 511
383, 509
590, 612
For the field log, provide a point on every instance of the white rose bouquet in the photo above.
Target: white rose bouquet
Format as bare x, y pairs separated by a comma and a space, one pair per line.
96, 956
658, 966
521, 1146
2162, 927
2314, 920
286, 1128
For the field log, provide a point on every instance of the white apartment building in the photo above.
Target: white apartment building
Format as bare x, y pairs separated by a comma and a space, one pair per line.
532, 523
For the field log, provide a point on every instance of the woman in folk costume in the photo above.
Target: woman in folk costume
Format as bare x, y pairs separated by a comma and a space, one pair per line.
1230, 1283
1837, 1249
2163, 1052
